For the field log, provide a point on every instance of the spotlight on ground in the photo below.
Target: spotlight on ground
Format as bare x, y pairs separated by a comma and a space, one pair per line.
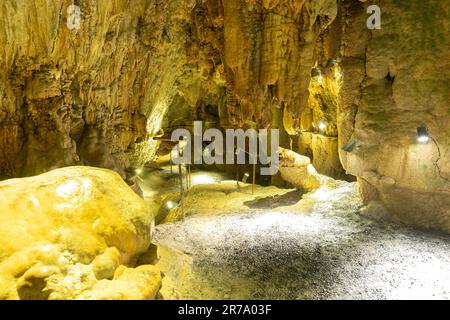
422, 135
138, 171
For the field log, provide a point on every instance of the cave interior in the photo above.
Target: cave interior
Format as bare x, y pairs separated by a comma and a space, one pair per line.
225, 149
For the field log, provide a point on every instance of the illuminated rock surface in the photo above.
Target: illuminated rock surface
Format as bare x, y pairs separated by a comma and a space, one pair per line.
134, 69
298, 171
319, 247
395, 80
91, 95
70, 233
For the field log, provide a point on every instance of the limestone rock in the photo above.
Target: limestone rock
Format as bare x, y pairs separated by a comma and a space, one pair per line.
138, 66
324, 153
304, 178
289, 158
143, 282
298, 171
66, 233
118, 70
395, 80
269, 55
387, 181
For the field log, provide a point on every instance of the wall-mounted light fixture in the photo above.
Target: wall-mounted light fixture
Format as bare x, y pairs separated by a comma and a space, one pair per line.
422, 135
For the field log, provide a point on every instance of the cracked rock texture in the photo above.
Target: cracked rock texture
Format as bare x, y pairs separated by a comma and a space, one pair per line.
66, 235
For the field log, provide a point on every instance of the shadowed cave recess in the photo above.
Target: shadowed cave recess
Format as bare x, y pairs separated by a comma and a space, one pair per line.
94, 207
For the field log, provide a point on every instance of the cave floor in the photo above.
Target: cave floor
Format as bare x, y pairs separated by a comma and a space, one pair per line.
234, 245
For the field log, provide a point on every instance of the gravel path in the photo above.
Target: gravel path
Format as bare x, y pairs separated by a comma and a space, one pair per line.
328, 252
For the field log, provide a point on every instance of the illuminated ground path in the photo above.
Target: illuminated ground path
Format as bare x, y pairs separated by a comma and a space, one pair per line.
318, 248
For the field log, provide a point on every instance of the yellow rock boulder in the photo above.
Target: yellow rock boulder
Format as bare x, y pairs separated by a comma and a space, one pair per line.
298, 171
65, 234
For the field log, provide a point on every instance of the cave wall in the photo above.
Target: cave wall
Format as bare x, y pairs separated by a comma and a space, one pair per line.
139, 68
395, 80
268, 54
83, 96
318, 138
95, 95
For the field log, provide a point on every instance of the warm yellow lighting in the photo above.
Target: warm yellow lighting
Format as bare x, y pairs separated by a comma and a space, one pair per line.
322, 125
423, 139
246, 176
138, 171
311, 170
320, 79
74, 191
170, 204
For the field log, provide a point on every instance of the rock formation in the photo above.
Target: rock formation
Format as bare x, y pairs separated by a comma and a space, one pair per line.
298, 171
136, 69
67, 235
120, 67
394, 80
